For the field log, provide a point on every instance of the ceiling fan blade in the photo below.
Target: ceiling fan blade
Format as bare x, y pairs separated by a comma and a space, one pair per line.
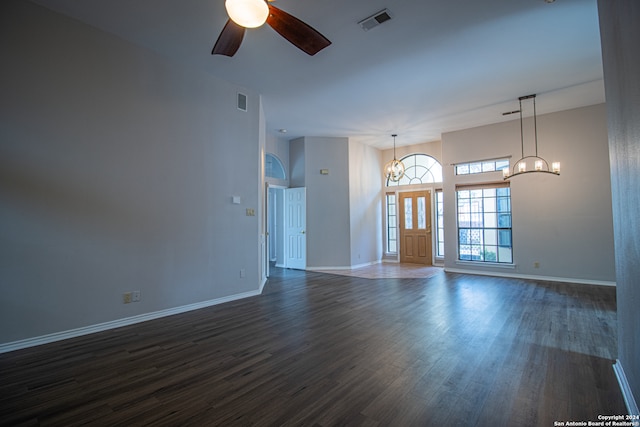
229, 39
300, 34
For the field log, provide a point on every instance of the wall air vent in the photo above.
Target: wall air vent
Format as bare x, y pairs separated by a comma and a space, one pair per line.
242, 101
375, 20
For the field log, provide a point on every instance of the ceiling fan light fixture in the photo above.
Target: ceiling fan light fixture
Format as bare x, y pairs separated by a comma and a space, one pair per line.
247, 13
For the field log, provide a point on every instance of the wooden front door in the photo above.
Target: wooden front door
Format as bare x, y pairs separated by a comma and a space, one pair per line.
415, 227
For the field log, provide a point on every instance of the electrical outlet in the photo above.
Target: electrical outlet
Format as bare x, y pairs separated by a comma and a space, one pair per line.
242, 273
126, 298
135, 296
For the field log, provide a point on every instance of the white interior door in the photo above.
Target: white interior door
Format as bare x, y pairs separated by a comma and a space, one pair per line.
295, 228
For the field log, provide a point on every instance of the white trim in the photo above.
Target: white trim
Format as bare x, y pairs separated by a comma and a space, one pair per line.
529, 276
85, 330
629, 401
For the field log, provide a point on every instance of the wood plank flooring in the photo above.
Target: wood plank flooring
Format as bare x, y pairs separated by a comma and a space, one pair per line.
325, 350
388, 270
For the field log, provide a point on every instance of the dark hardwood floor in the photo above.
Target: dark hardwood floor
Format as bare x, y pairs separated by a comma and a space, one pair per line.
325, 350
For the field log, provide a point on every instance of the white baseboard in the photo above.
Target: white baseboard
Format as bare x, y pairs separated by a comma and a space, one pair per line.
529, 276
629, 401
86, 330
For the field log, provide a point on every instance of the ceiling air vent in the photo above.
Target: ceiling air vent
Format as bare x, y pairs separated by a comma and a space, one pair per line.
375, 20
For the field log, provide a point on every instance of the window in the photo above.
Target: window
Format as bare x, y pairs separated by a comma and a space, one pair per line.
481, 166
273, 167
484, 223
419, 169
392, 224
439, 224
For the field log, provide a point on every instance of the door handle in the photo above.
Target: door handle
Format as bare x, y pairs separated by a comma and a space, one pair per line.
302, 231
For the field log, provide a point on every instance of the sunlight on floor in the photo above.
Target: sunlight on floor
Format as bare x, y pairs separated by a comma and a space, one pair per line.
388, 270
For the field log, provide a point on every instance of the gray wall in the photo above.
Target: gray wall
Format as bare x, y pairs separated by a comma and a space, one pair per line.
344, 213
117, 169
365, 170
562, 222
433, 149
297, 167
620, 33
328, 233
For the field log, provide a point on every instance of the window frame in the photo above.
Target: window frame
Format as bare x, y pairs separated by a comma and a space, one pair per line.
275, 162
486, 224
482, 166
411, 163
439, 217
390, 227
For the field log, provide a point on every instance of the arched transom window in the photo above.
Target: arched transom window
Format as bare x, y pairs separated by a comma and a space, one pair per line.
419, 169
273, 167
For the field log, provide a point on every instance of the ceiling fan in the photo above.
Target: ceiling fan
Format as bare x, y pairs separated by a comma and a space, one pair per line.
254, 13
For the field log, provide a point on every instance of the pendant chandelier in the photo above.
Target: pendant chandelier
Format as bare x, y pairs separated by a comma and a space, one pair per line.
530, 164
394, 170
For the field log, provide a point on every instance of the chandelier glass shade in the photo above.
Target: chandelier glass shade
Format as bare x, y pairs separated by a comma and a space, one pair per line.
394, 170
247, 13
534, 163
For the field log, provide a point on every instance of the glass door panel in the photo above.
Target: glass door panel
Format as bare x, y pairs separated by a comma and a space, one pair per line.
422, 213
408, 213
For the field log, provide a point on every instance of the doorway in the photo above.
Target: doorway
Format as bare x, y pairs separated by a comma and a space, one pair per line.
286, 243
295, 217
275, 225
415, 227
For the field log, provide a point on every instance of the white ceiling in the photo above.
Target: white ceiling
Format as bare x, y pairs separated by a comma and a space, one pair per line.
437, 66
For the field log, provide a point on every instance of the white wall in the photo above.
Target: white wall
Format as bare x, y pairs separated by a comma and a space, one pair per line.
117, 169
562, 222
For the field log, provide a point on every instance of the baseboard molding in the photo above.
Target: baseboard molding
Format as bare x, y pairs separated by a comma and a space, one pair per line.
86, 330
528, 276
630, 402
